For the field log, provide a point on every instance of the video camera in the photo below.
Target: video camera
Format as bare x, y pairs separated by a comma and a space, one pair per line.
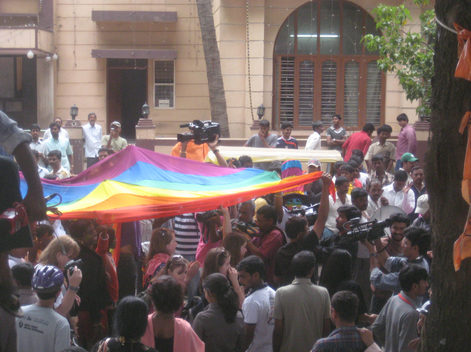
70, 267
205, 216
367, 231
201, 132
309, 212
246, 227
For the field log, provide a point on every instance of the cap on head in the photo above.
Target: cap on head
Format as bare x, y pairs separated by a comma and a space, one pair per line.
422, 204
408, 157
314, 162
116, 123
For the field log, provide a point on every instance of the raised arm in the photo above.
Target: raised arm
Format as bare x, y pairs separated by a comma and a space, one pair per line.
323, 212
34, 200
213, 146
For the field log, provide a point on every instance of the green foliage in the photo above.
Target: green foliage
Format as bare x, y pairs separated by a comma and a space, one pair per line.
408, 54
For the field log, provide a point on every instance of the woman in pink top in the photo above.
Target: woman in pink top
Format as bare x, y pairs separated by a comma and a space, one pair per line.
165, 332
162, 247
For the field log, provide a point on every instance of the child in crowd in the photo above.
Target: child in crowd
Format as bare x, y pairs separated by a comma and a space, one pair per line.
181, 270
23, 274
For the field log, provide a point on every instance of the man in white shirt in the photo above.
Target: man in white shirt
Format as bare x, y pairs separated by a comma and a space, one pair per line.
92, 138
375, 198
257, 306
398, 194
54, 157
62, 132
342, 198
37, 144
314, 140
61, 144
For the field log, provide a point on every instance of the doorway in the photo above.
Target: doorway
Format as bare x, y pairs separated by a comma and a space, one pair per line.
126, 93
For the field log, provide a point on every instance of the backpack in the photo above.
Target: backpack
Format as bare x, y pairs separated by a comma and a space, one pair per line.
191, 310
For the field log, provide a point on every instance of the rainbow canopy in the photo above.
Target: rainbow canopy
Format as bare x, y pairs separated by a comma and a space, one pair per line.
137, 184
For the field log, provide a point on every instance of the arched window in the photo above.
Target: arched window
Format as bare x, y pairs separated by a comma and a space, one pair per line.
322, 68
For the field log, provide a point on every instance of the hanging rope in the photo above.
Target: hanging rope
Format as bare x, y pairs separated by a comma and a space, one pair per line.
445, 26
248, 58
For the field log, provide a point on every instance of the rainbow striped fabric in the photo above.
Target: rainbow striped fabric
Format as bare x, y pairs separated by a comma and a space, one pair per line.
137, 184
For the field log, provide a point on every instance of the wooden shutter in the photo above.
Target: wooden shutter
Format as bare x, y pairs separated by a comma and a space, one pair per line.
286, 89
306, 93
351, 93
329, 91
373, 93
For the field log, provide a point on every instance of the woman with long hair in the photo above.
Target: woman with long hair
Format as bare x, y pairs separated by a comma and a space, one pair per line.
218, 260
130, 326
221, 325
58, 253
236, 244
162, 247
337, 276
164, 331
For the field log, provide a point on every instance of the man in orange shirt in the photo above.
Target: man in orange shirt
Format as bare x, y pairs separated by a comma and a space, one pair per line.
190, 150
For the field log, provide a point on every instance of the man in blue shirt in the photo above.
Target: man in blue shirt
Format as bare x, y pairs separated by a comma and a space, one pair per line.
286, 141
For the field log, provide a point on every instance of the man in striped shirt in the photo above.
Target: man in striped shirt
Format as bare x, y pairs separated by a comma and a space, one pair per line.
286, 141
188, 236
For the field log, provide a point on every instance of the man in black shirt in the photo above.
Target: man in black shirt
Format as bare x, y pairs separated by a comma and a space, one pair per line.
297, 230
346, 213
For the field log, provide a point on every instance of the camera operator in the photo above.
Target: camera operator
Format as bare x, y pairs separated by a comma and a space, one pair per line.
243, 223
345, 214
186, 152
196, 149
385, 269
392, 246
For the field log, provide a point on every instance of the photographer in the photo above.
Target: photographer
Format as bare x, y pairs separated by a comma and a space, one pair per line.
385, 273
243, 223
113, 140
346, 213
195, 144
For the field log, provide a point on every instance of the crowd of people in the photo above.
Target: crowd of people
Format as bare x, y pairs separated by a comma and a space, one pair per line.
300, 270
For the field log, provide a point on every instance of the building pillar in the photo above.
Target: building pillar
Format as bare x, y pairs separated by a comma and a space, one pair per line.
45, 92
145, 134
74, 128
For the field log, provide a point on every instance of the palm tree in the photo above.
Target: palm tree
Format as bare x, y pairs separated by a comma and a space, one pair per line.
217, 95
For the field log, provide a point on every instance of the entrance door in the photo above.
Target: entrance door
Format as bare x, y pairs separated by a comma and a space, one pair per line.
126, 93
